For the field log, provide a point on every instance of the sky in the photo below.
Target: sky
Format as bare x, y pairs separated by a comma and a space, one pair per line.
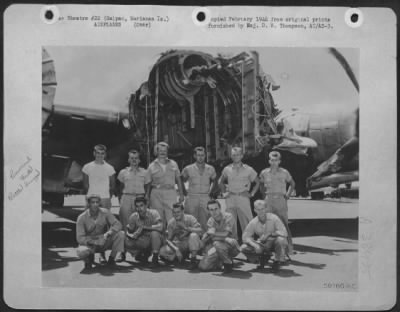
98, 77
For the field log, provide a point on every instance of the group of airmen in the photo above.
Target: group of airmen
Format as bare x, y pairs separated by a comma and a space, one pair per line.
156, 218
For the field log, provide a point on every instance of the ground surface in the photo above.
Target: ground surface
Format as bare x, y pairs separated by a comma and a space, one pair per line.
325, 239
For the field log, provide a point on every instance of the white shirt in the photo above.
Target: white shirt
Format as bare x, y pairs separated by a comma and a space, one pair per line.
99, 178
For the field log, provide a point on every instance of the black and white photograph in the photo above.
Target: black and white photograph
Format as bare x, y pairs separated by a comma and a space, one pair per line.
211, 157
141, 145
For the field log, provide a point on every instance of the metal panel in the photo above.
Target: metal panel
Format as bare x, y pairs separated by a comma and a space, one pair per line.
207, 126
156, 108
216, 125
244, 110
192, 112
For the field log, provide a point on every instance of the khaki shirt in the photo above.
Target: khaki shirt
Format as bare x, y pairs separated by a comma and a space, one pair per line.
152, 218
275, 183
225, 224
239, 179
134, 180
89, 228
188, 221
199, 183
160, 178
273, 225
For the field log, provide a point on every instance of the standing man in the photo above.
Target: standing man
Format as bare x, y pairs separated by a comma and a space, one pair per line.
221, 247
236, 179
99, 177
264, 234
201, 178
273, 184
133, 180
98, 230
183, 237
163, 173
143, 233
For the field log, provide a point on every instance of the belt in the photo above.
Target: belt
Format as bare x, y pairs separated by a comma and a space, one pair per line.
134, 194
163, 186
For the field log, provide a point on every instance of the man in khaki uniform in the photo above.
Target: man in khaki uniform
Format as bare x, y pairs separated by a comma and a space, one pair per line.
183, 237
264, 234
201, 178
163, 173
133, 180
144, 233
98, 230
273, 184
236, 179
220, 246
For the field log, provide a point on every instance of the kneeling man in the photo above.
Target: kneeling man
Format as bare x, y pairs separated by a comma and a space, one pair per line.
264, 234
98, 230
221, 247
143, 232
183, 237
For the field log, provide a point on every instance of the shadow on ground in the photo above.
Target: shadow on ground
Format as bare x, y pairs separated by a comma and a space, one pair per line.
57, 235
283, 272
106, 270
316, 266
235, 274
52, 260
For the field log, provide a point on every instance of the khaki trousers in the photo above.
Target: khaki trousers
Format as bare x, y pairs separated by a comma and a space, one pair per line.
147, 242
196, 205
115, 243
218, 253
127, 207
162, 200
190, 244
277, 245
239, 207
277, 204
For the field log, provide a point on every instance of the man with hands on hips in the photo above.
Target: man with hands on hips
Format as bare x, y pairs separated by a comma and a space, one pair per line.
236, 179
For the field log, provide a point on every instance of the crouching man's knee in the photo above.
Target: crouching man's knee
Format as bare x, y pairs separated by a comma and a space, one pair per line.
281, 241
83, 252
167, 253
218, 245
244, 248
203, 266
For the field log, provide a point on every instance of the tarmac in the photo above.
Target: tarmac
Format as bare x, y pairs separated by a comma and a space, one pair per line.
325, 236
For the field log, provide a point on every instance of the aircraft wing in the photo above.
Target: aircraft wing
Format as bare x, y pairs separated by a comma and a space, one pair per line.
333, 179
333, 170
